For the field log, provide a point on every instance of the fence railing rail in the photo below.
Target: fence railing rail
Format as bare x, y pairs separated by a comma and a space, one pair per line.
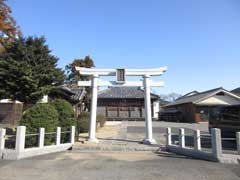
216, 144
21, 137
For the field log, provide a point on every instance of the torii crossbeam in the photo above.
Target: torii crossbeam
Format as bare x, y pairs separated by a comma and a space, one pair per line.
120, 81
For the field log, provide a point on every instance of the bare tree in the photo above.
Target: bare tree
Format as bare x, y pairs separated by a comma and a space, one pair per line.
170, 97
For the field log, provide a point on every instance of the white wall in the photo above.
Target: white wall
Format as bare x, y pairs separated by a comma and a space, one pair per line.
220, 100
156, 109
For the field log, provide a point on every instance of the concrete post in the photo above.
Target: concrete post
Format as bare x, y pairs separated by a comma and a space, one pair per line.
169, 136
72, 140
2, 139
20, 138
197, 140
41, 137
181, 138
148, 113
238, 142
58, 136
92, 128
216, 142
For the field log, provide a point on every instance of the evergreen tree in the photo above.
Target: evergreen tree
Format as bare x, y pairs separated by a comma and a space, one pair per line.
28, 70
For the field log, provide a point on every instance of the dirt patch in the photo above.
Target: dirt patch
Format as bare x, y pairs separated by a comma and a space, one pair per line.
106, 132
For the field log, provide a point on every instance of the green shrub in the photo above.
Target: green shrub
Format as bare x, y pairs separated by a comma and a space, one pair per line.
83, 122
101, 119
40, 115
66, 117
66, 113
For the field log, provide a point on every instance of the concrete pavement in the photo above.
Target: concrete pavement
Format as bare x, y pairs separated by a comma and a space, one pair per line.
115, 166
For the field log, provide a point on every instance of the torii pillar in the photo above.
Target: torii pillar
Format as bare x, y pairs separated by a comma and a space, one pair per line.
146, 83
148, 112
93, 115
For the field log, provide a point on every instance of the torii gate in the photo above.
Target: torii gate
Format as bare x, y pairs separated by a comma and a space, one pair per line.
120, 81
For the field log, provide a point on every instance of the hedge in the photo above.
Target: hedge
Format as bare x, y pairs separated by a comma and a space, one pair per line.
84, 122
101, 119
40, 115
66, 117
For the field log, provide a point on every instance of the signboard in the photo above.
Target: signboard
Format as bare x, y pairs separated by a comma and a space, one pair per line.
120, 76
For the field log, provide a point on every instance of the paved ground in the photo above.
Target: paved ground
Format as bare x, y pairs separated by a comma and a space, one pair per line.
136, 130
128, 135
115, 138
115, 166
159, 125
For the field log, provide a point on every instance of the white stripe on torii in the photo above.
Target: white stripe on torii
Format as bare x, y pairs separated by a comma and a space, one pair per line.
146, 83
127, 83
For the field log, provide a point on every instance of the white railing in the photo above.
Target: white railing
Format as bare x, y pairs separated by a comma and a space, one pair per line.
21, 152
216, 153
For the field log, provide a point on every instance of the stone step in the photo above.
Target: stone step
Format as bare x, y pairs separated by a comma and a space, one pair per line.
110, 147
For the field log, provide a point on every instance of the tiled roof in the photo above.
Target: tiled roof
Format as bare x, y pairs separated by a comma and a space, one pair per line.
78, 93
124, 92
236, 91
189, 94
198, 97
75, 94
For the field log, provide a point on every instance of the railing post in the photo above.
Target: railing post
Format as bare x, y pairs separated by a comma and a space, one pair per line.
2, 139
238, 141
72, 140
58, 136
181, 138
20, 138
197, 140
41, 137
216, 142
169, 136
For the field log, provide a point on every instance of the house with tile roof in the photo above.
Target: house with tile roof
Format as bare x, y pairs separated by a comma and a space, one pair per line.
73, 95
196, 107
125, 103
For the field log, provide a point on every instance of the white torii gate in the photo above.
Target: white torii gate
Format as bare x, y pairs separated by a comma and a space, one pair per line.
120, 74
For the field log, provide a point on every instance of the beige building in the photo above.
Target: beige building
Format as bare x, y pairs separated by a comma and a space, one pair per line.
196, 106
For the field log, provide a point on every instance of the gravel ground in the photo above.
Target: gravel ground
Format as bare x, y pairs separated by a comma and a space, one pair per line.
115, 166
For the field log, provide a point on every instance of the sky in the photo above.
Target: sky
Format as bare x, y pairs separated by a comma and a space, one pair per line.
198, 40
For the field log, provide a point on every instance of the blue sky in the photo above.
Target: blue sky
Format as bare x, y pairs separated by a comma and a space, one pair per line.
199, 40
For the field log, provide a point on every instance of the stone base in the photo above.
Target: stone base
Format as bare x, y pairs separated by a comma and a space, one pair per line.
149, 141
95, 140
